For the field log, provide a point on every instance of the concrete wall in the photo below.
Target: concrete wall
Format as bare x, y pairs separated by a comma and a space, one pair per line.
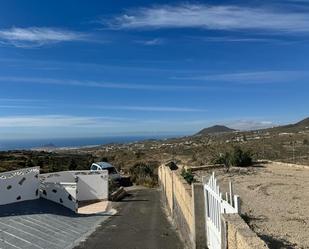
183, 202
61, 193
69, 187
169, 189
92, 186
237, 234
19, 185
187, 217
67, 176
62, 176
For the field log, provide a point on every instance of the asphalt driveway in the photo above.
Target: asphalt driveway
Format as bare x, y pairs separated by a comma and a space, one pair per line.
140, 223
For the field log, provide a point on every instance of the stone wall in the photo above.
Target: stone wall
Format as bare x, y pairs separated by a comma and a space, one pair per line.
238, 235
186, 205
178, 197
289, 165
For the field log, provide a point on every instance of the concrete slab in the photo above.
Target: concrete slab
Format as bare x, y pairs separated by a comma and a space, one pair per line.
42, 224
93, 208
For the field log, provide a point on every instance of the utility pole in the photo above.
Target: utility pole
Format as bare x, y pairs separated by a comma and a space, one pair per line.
294, 152
263, 141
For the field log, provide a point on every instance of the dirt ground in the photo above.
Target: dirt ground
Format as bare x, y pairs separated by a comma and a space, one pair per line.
274, 202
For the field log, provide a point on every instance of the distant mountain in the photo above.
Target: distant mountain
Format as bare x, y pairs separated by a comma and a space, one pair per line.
303, 123
299, 126
214, 130
293, 128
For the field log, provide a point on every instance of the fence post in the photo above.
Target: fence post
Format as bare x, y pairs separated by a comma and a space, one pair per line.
198, 202
237, 203
224, 228
173, 194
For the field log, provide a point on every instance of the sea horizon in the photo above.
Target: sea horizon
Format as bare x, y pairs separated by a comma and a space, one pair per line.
28, 144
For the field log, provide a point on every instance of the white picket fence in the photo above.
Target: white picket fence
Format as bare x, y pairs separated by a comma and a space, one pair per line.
215, 205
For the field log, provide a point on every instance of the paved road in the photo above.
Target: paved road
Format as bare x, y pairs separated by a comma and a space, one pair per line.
139, 224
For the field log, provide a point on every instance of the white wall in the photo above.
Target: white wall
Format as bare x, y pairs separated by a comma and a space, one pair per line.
62, 176
84, 185
65, 188
61, 193
19, 185
92, 186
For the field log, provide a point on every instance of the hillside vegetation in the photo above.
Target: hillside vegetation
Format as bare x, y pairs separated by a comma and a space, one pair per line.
288, 143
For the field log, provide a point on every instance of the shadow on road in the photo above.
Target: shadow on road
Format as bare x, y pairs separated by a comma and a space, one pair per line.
40, 206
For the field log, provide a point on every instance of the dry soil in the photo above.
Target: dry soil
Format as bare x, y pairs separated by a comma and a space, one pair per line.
274, 201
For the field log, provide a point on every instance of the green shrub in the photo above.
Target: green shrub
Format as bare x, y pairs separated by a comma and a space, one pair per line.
237, 157
143, 173
73, 165
187, 175
224, 159
241, 158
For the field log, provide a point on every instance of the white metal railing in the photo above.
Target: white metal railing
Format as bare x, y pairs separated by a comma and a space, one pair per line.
215, 205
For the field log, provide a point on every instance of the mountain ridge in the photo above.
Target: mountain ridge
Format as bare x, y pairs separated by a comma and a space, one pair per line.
219, 129
215, 129
290, 127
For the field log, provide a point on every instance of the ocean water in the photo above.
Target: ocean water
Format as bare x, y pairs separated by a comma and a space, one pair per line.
72, 142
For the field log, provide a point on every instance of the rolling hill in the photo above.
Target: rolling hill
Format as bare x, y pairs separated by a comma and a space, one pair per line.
216, 129
299, 126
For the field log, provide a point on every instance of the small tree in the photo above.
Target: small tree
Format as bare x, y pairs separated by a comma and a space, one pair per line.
73, 165
143, 173
224, 159
305, 142
29, 163
241, 158
237, 157
40, 163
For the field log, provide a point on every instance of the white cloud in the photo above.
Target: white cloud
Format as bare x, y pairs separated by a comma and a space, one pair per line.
249, 124
20, 107
236, 39
214, 18
100, 84
18, 100
107, 107
58, 121
252, 77
151, 108
44, 126
153, 42
37, 36
21, 103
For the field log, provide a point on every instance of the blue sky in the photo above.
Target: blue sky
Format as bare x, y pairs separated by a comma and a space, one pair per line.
83, 69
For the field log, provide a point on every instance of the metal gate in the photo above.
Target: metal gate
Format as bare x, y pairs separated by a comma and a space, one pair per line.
216, 205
